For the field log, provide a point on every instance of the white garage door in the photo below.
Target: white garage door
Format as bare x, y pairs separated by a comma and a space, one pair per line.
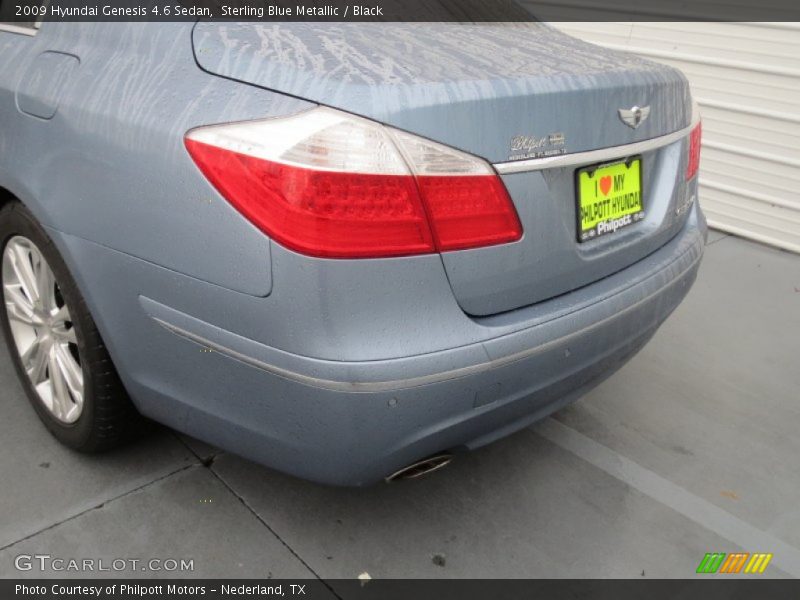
746, 78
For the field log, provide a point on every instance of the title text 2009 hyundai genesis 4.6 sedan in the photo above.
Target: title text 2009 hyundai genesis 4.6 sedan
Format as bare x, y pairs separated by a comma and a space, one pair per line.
346, 251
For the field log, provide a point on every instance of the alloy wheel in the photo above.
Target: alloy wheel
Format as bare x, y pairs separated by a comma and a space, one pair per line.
42, 328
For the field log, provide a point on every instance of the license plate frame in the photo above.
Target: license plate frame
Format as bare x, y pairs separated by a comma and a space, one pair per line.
613, 210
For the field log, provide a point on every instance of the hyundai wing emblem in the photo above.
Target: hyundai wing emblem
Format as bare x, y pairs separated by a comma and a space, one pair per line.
634, 116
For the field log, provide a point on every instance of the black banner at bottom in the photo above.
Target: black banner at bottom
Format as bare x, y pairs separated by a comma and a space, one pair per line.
391, 589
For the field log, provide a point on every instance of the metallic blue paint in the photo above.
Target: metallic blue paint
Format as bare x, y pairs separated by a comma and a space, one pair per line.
342, 371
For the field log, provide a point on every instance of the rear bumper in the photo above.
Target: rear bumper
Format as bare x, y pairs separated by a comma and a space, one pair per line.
354, 422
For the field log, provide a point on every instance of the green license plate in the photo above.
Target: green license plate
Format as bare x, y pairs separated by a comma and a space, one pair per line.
609, 198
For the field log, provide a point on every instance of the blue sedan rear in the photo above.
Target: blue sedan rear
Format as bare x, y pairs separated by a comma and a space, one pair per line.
348, 252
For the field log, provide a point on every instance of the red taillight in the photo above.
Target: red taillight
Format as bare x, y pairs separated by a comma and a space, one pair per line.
320, 213
693, 163
327, 184
469, 211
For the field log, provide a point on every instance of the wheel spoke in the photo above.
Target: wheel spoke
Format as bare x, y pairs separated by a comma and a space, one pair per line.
62, 315
37, 363
30, 353
24, 272
18, 308
71, 372
16, 293
58, 387
45, 285
59, 326
66, 335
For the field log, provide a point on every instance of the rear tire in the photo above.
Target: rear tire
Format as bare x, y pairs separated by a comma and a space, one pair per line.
58, 352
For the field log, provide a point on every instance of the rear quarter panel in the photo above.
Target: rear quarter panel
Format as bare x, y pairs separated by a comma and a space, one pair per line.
110, 165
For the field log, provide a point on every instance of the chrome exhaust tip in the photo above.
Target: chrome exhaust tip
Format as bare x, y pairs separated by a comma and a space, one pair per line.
421, 467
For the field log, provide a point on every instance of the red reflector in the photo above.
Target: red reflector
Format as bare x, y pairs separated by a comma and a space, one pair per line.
693, 163
469, 211
321, 213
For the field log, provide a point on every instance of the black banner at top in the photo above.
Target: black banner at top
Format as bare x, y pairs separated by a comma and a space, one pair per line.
30, 12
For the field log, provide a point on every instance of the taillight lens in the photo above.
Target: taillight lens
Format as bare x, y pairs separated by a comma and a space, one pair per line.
693, 164
328, 184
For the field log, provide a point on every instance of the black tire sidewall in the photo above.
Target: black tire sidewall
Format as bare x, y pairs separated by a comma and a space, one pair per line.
17, 220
